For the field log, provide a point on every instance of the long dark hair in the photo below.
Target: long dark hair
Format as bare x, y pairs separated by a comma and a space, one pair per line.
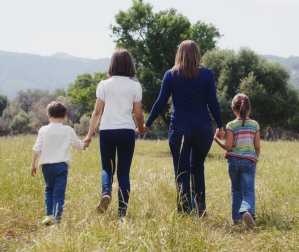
187, 60
242, 104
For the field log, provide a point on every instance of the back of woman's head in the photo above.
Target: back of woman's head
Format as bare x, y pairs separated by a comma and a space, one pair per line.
187, 59
241, 103
122, 64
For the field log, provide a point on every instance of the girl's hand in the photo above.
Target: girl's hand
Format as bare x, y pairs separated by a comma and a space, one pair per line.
220, 133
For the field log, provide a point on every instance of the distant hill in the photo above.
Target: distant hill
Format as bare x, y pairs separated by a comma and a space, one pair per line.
20, 71
292, 65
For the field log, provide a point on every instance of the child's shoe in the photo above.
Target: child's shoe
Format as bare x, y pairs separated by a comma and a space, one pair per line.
248, 219
47, 220
104, 202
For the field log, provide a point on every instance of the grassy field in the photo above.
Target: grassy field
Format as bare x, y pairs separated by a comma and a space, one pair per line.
152, 223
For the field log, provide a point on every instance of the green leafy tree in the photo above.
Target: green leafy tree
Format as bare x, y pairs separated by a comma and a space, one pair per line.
293, 124
153, 39
273, 98
20, 122
83, 90
60, 92
3, 103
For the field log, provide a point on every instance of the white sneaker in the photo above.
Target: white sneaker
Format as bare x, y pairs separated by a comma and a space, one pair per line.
248, 219
104, 202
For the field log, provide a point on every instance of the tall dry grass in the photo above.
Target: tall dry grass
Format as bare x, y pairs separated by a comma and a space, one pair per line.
152, 223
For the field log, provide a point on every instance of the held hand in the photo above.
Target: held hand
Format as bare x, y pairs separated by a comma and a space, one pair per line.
33, 171
216, 134
87, 140
221, 133
86, 145
145, 129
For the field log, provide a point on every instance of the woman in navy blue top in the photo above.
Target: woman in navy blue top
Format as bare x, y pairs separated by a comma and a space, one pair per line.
190, 133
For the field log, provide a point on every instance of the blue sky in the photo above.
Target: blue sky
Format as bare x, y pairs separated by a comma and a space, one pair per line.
81, 28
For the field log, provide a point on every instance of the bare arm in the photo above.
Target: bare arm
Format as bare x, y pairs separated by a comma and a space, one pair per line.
138, 117
94, 119
33, 164
228, 145
257, 145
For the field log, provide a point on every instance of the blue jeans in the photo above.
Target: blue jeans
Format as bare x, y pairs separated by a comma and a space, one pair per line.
242, 175
121, 141
55, 176
188, 163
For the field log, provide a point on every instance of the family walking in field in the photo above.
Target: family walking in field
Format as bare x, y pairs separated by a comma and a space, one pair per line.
193, 91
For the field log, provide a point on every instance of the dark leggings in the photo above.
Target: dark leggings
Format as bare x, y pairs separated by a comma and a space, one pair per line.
121, 141
189, 145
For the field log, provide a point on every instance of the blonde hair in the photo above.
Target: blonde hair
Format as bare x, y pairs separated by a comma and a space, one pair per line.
187, 60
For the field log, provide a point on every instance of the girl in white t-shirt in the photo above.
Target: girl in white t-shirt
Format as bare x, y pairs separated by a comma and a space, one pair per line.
120, 95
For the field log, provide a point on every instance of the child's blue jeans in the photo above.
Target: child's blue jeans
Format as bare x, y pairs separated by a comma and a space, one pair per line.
242, 175
55, 176
122, 142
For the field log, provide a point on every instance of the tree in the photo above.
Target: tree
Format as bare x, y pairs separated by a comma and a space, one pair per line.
3, 103
153, 39
293, 124
273, 98
25, 99
60, 92
20, 122
71, 109
83, 91
82, 128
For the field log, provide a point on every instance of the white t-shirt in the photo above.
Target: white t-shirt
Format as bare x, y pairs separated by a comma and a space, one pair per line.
119, 93
53, 144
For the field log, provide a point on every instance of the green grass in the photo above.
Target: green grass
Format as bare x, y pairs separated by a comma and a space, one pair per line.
152, 223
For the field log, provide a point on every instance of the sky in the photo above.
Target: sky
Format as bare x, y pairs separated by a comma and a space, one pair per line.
81, 28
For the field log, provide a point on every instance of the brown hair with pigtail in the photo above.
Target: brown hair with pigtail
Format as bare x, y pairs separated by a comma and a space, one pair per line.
242, 104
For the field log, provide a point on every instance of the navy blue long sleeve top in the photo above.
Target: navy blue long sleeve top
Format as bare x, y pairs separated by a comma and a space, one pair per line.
190, 98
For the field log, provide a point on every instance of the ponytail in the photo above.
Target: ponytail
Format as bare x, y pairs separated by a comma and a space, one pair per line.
242, 104
243, 112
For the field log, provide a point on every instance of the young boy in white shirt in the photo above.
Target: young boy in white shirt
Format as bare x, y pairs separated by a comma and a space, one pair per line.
53, 145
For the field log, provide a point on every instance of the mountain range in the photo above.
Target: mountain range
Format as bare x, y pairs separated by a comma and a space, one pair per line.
21, 71
292, 65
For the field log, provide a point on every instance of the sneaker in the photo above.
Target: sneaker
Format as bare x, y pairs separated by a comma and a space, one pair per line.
248, 219
104, 202
47, 220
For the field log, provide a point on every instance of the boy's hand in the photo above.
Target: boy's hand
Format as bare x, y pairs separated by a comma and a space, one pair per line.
86, 145
33, 171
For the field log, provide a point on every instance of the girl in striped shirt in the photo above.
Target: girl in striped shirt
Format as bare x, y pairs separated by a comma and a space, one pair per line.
243, 150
